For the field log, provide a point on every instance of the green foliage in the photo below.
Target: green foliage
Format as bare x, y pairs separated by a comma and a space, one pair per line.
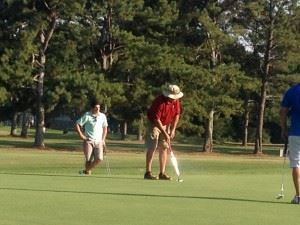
195, 44
3, 95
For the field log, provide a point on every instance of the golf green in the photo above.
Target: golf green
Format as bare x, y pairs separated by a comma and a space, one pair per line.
43, 187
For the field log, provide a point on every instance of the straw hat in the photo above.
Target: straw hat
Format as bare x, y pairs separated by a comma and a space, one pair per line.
172, 91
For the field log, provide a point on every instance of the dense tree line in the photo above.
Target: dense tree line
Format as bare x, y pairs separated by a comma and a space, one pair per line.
233, 60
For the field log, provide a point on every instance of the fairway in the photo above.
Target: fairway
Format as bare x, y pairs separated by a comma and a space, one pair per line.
43, 187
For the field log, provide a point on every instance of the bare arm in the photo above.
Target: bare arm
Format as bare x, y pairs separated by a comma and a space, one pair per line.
104, 134
174, 126
79, 131
283, 122
158, 124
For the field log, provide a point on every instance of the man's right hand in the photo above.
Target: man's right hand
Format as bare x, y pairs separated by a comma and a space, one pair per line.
104, 147
284, 134
167, 137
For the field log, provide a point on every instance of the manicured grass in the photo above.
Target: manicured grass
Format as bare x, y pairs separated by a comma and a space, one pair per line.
228, 187
43, 187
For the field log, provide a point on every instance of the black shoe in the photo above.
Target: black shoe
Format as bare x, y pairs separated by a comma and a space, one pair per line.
164, 176
148, 176
296, 200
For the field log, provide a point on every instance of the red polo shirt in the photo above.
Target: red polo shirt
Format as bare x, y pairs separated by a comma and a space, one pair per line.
164, 109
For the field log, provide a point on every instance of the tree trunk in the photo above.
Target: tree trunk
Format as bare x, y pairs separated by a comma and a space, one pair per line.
259, 128
111, 47
25, 124
45, 36
108, 46
14, 124
40, 116
264, 84
246, 123
140, 129
208, 142
124, 130
105, 61
214, 58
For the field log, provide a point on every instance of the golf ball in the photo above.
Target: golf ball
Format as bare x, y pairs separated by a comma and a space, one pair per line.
180, 180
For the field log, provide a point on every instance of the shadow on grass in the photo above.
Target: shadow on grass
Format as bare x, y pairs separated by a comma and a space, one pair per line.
230, 150
240, 150
14, 143
69, 136
143, 195
71, 142
77, 176
136, 146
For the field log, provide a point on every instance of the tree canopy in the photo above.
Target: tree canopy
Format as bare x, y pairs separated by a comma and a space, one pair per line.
231, 59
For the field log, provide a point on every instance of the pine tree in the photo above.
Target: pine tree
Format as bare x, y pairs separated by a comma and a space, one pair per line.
268, 29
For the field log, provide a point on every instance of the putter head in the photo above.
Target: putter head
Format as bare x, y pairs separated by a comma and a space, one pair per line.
280, 196
179, 180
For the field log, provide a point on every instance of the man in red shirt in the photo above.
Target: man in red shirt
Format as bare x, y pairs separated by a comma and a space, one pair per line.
163, 116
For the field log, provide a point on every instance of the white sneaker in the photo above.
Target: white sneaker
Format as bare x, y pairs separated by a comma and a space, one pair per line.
84, 172
81, 172
296, 200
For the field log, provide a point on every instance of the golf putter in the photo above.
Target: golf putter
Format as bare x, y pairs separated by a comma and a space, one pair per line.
175, 165
281, 194
106, 161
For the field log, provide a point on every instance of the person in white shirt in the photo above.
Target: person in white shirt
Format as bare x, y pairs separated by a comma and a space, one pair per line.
92, 129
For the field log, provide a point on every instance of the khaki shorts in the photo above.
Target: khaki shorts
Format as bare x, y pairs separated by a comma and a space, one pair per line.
154, 139
92, 150
294, 151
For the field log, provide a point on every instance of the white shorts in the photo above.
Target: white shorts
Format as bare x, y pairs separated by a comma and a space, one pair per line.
294, 151
92, 150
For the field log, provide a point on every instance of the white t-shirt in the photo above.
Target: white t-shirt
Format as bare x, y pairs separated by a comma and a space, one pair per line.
93, 125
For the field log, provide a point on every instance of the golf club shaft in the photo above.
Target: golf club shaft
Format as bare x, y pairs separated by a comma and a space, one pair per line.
174, 161
107, 166
106, 161
285, 152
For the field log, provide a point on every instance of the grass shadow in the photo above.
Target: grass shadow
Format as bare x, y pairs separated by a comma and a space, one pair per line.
57, 140
15, 143
77, 176
143, 195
